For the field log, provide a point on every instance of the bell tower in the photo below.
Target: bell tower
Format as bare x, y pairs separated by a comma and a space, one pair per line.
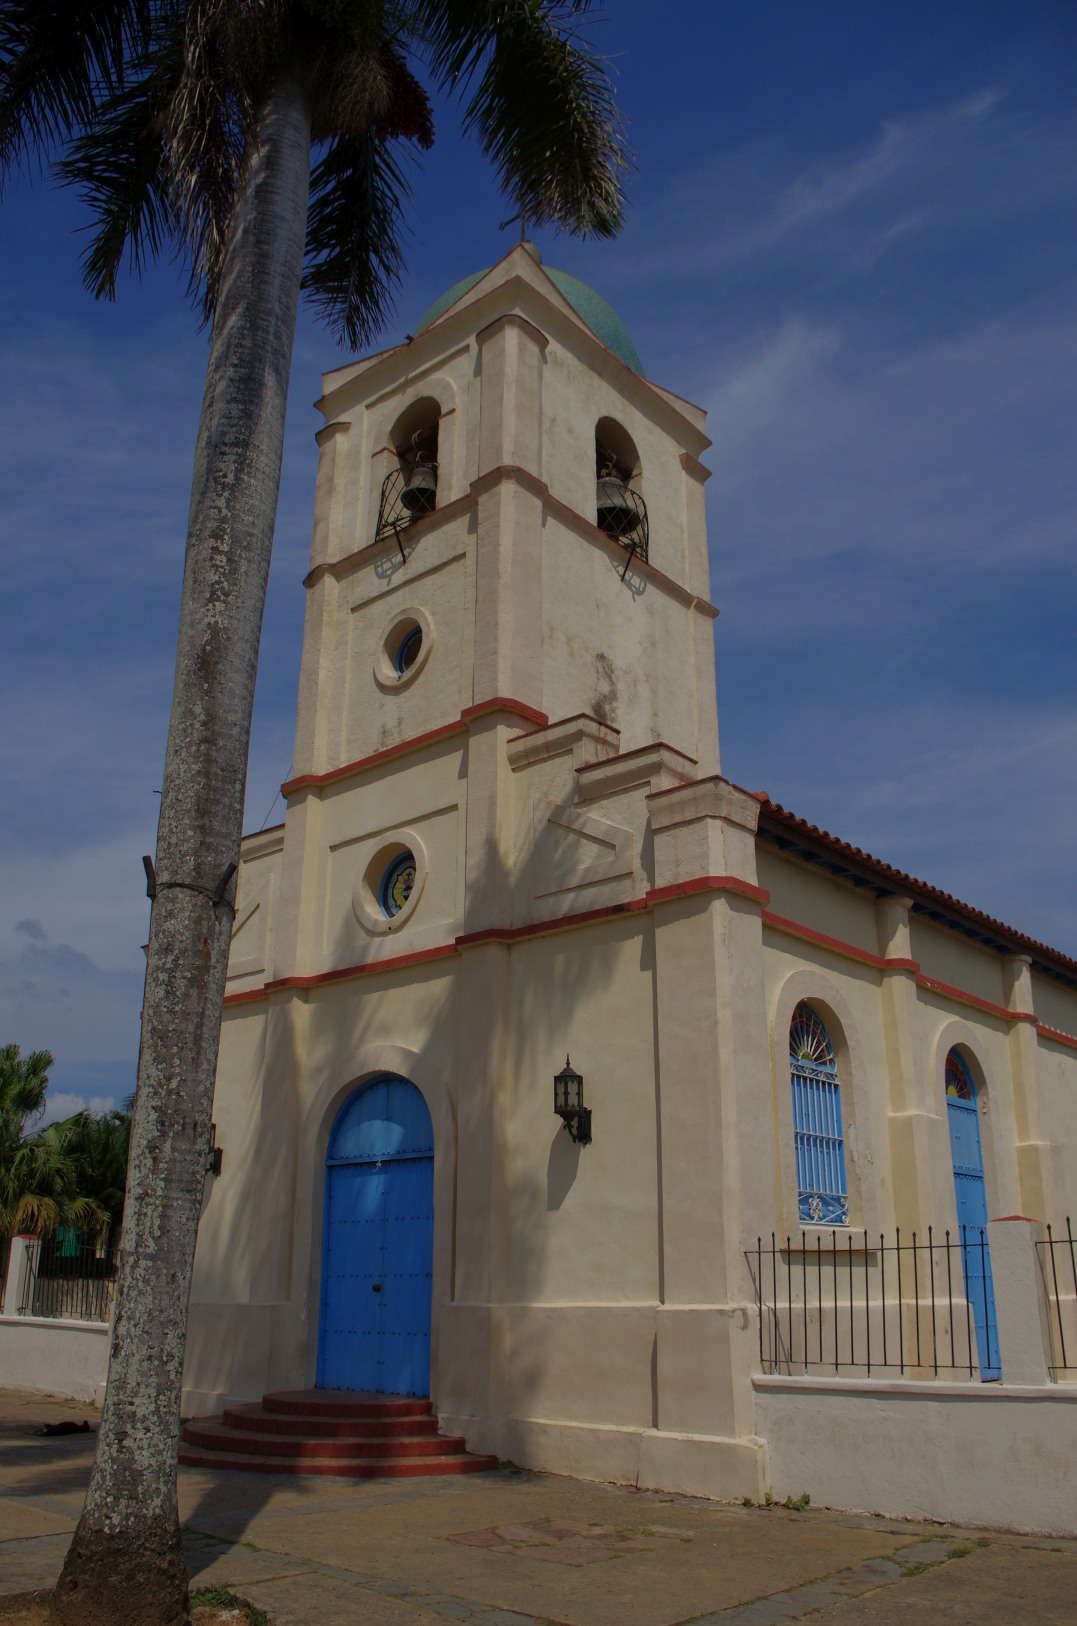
507, 495
505, 841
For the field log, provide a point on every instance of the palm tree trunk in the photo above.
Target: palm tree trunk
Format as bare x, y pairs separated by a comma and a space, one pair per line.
125, 1562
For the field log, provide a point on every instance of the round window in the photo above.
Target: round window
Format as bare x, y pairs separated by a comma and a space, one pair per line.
397, 884
403, 649
407, 651
387, 889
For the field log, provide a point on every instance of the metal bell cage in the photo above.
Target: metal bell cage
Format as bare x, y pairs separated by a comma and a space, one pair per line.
619, 511
410, 491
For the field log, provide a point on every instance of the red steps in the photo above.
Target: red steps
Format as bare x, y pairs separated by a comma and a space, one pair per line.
327, 1431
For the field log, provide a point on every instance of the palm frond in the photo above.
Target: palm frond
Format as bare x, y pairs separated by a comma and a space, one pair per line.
35, 1214
119, 166
210, 119
540, 103
23, 1083
56, 61
358, 191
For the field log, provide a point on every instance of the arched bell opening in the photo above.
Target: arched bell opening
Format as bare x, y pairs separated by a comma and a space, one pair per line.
620, 510
410, 490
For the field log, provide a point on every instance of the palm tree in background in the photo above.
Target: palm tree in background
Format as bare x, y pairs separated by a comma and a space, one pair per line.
44, 1184
193, 124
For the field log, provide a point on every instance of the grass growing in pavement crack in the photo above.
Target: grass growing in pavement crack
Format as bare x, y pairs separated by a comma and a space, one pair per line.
964, 1548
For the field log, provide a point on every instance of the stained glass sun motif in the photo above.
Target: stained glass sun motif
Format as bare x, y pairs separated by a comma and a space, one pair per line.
808, 1040
397, 883
958, 1083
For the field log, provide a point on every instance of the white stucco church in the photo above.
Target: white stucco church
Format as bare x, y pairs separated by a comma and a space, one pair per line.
508, 842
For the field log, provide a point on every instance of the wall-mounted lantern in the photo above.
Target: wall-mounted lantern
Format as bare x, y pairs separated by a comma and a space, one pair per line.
568, 1104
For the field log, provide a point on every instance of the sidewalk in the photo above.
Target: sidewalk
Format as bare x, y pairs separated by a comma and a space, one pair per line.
519, 1549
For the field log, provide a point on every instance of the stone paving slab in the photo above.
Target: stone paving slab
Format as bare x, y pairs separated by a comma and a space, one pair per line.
20, 1518
28, 1566
304, 1600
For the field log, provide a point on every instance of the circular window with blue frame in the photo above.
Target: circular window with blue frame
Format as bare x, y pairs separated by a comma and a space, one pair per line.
403, 649
397, 884
388, 887
407, 651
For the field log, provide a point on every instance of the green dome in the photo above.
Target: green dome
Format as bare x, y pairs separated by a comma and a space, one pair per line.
603, 321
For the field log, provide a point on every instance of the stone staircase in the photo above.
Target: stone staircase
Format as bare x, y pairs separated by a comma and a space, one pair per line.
329, 1431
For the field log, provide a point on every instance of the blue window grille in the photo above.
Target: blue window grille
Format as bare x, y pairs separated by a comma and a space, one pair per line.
817, 1136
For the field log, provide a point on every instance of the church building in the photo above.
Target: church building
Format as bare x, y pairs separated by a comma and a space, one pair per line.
564, 1081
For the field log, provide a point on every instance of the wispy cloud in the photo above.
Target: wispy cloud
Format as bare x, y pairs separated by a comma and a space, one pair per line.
61, 1104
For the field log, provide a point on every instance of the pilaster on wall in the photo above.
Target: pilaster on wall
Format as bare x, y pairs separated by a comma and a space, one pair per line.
316, 697
715, 1144
508, 584
469, 1381
275, 1155
1039, 1163
697, 578
327, 541
918, 1136
510, 411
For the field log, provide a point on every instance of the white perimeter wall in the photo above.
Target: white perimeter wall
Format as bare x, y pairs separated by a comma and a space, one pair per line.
991, 1454
68, 1358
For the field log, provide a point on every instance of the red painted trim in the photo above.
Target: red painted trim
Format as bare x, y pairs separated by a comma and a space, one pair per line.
433, 736
422, 527
1056, 1035
808, 934
709, 883
486, 708
347, 973
542, 928
936, 987
247, 997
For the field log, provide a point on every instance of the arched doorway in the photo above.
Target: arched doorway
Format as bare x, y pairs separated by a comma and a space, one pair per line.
378, 1244
968, 1161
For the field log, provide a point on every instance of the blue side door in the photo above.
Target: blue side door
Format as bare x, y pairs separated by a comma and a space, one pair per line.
972, 1229
377, 1255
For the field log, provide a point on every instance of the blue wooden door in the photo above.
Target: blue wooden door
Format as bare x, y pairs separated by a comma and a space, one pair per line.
967, 1153
377, 1253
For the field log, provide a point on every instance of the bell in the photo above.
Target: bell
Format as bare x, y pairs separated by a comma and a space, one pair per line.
617, 516
419, 495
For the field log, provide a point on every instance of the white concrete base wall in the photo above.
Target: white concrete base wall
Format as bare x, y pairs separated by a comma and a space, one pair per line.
992, 1454
68, 1358
696, 1465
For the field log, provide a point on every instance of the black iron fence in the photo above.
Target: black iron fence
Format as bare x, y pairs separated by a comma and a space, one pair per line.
1058, 1271
68, 1278
851, 1306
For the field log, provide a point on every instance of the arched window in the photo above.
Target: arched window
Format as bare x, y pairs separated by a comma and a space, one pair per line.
817, 1132
966, 1149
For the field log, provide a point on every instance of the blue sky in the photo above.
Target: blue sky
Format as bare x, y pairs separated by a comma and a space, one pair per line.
852, 238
